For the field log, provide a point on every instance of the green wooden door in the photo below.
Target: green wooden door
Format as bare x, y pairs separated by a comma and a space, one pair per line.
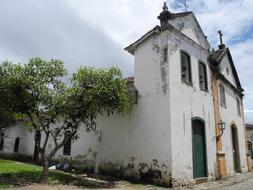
198, 149
235, 147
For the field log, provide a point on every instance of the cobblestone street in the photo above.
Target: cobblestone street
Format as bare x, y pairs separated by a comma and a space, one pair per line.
238, 182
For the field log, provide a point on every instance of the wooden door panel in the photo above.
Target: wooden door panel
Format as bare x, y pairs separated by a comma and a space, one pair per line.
199, 149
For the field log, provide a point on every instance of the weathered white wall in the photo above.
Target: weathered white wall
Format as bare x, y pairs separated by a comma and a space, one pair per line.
143, 136
161, 122
230, 116
188, 26
83, 149
26, 144
226, 70
187, 102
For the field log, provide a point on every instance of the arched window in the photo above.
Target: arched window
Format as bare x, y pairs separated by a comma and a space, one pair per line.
16, 145
222, 96
238, 103
185, 68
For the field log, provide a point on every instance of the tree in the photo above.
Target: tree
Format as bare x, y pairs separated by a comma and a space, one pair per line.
56, 110
7, 118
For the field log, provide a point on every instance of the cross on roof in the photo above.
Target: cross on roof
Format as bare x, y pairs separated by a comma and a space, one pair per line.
185, 6
220, 34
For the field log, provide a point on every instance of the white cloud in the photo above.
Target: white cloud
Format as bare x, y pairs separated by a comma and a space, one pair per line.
243, 56
231, 16
124, 20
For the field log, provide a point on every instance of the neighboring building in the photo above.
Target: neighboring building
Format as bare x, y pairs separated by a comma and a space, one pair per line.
249, 132
186, 95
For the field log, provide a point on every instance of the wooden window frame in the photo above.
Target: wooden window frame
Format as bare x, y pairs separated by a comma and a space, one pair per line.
222, 94
67, 148
205, 80
183, 52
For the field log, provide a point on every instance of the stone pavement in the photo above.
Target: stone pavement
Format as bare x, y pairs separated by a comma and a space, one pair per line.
238, 182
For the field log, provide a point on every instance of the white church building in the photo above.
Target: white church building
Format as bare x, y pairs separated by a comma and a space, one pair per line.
186, 122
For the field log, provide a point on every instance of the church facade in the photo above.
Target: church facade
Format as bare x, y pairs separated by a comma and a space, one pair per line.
186, 121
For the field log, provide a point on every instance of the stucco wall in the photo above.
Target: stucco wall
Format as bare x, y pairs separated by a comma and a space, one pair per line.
189, 26
187, 102
26, 144
226, 70
83, 149
142, 138
230, 116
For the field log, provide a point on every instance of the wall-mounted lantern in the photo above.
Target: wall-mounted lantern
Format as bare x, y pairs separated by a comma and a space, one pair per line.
222, 127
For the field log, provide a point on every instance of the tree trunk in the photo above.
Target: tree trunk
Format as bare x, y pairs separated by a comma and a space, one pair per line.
45, 170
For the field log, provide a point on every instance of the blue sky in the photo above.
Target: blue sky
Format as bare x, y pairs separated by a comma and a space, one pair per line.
84, 32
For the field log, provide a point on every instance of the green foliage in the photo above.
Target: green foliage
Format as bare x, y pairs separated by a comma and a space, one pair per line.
97, 91
31, 89
7, 118
36, 90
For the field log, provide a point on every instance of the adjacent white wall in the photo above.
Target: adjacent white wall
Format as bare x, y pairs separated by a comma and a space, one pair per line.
188, 26
26, 144
230, 116
143, 136
84, 148
226, 70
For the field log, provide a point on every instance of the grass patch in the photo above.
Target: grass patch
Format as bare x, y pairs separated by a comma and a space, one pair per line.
19, 174
5, 186
6, 161
8, 166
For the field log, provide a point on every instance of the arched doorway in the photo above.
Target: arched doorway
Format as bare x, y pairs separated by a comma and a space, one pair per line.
235, 149
199, 149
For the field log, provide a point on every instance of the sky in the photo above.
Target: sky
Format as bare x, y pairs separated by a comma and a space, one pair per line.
94, 33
